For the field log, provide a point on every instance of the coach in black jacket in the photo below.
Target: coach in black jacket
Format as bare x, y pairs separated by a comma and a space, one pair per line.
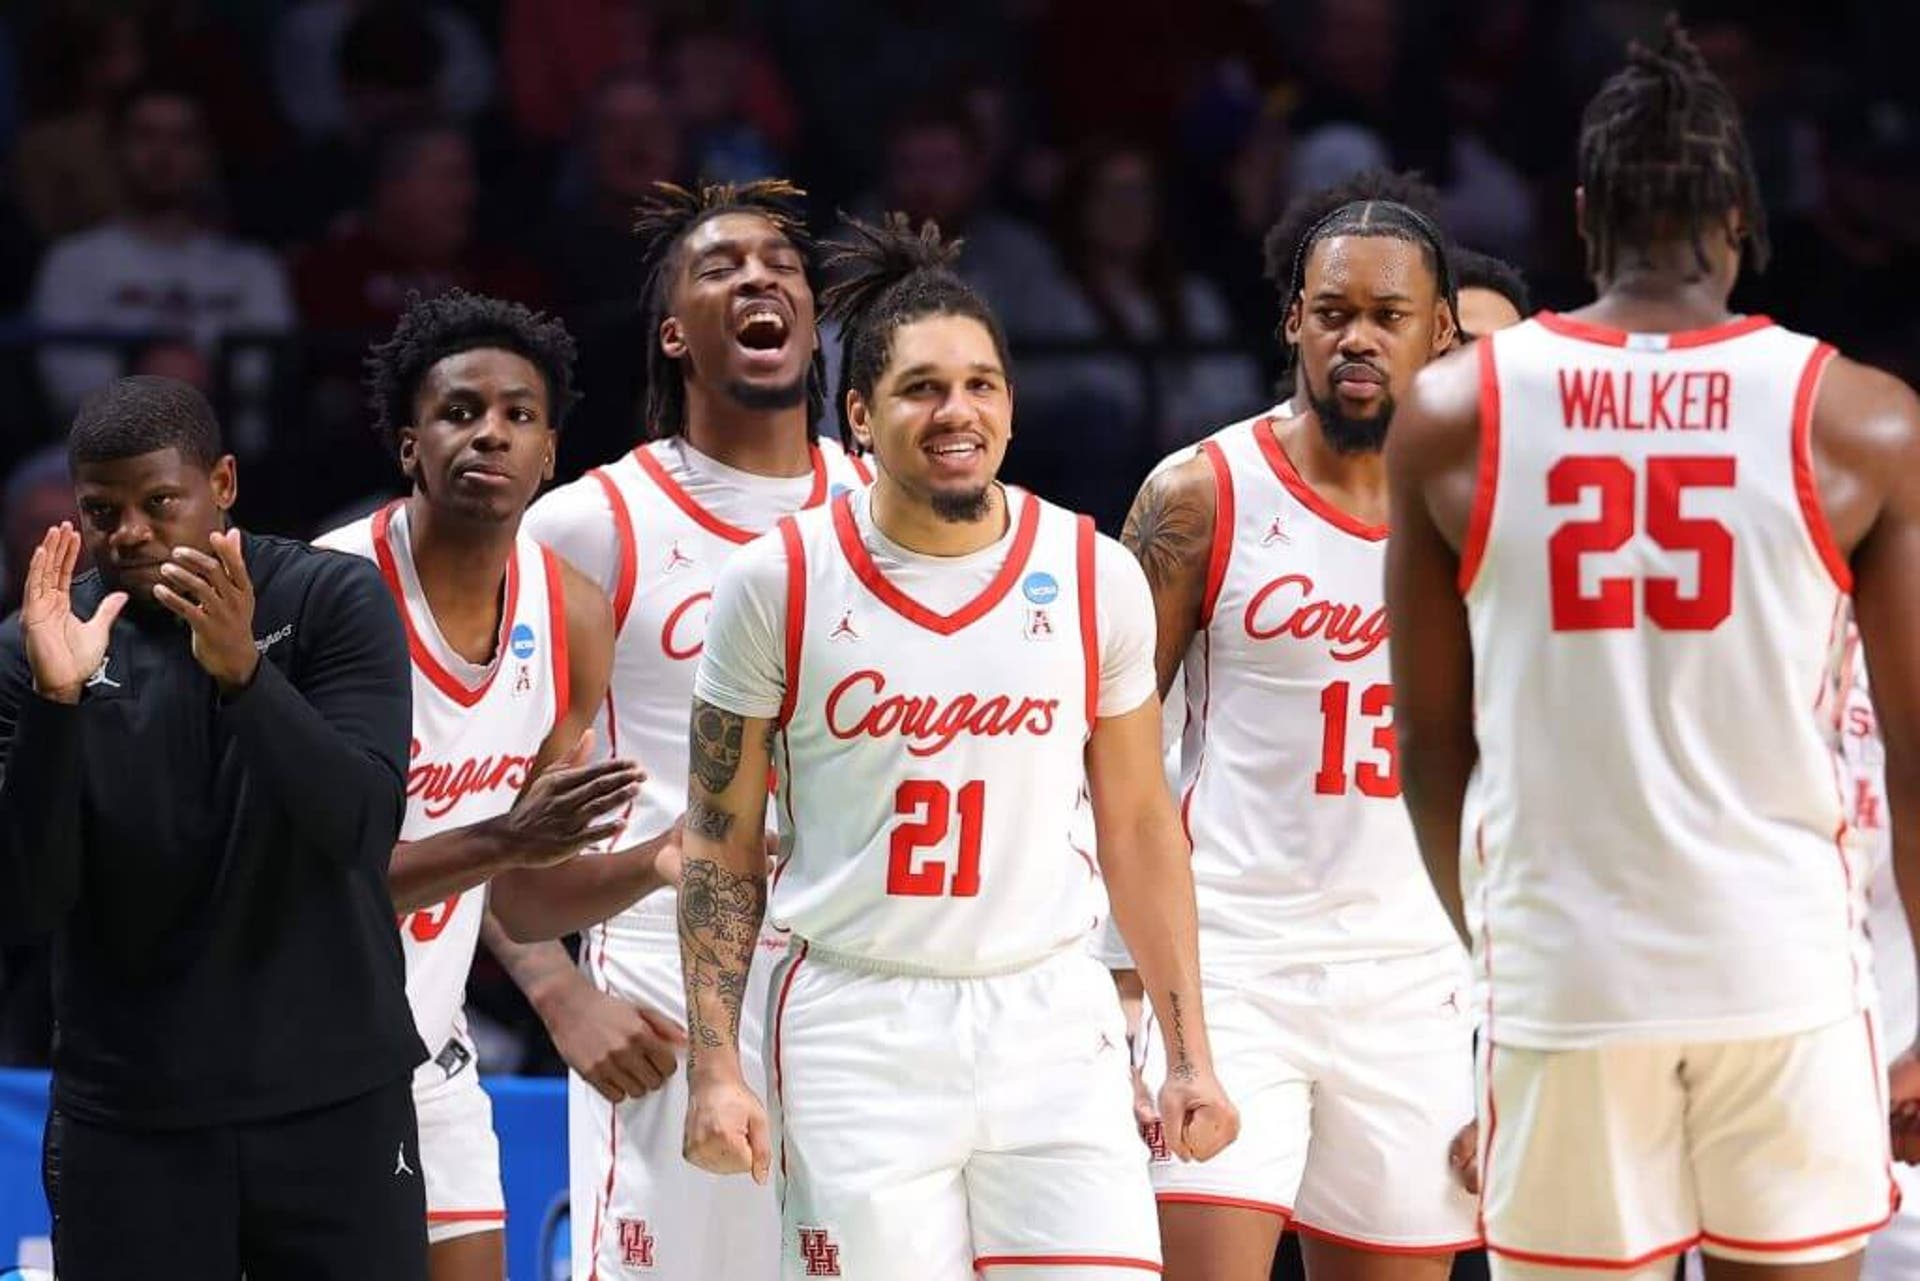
203, 752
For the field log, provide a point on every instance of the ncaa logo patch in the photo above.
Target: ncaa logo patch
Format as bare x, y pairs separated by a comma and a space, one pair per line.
1040, 587
520, 641
838, 488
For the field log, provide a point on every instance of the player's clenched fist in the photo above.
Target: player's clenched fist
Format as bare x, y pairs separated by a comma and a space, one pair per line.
727, 1128
1197, 1119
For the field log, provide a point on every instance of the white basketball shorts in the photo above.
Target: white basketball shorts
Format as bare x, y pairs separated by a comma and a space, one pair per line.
459, 1157
935, 1127
1352, 1080
638, 1209
1768, 1151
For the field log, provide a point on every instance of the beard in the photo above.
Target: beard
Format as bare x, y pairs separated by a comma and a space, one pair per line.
1347, 434
760, 398
964, 508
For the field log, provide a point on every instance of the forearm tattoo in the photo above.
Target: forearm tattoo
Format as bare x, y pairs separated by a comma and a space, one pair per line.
1167, 531
716, 739
1179, 1061
720, 915
709, 821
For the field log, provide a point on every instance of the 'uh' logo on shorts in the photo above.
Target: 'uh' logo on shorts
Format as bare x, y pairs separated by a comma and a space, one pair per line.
1154, 1134
819, 1253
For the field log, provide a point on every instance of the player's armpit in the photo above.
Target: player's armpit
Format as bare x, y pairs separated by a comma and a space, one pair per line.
1170, 532
723, 887
590, 642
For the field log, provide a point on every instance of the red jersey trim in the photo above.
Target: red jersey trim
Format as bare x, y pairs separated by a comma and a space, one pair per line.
627, 571
779, 1027
1804, 484
1306, 494
1678, 340
982, 1262
1089, 619
557, 627
677, 494
860, 468
1223, 527
1027, 524
466, 1216
1486, 479
443, 680
796, 612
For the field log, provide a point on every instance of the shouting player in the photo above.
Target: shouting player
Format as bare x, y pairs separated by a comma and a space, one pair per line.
1334, 982
1624, 539
734, 390
510, 651
935, 666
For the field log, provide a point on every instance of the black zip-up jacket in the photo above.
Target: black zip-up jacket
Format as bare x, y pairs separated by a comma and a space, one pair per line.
214, 869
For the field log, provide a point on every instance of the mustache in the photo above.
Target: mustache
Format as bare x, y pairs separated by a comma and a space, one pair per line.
1353, 366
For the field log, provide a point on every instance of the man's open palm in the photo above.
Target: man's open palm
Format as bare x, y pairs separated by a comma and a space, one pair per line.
62, 650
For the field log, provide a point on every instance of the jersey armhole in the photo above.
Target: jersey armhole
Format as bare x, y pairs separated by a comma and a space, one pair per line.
557, 626
1805, 486
1486, 478
627, 571
796, 614
1223, 523
1089, 620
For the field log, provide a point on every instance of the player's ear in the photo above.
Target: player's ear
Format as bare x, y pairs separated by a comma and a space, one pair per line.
224, 480
673, 340
857, 420
1290, 327
1446, 330
407, 446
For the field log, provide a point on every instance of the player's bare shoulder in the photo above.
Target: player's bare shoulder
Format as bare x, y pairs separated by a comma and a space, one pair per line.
1170, 528
1434, 446
1865, 444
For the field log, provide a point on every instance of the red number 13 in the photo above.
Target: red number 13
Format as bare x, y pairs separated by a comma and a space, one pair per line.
926, 804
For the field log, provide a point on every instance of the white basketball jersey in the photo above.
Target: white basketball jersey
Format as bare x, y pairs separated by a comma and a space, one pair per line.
475, 738
930, 764
671, 550
1658, 613
1290, 785
1866, 780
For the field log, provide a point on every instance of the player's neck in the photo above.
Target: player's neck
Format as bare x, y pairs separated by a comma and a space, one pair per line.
1356, 483
910, 523
462, 568
761, 442
1662, 290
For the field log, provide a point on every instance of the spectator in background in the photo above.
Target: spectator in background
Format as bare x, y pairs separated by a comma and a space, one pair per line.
937, 166
38, 495
417, 232
78, 64
159, 269
557, 53
316, 97
1130, 288
734, 108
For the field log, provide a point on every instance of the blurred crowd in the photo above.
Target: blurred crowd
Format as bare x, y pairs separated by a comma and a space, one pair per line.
241, 193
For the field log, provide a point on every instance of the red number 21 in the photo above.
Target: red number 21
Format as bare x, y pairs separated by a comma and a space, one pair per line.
1611, 608
926, 804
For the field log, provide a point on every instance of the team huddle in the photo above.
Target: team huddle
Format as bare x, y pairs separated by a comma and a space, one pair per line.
915, 946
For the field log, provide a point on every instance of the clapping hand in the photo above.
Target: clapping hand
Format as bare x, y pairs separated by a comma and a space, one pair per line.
214, 597
62, 651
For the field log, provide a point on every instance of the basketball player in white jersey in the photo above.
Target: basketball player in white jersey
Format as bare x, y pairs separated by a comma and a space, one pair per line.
1336, 990
1625, 539
511, 649
935, 667
734, 390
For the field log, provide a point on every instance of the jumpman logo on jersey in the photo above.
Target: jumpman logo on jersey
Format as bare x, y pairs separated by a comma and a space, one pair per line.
1276, 533
1452, 1002
100, 677
843, 630
400, 1165
677, 559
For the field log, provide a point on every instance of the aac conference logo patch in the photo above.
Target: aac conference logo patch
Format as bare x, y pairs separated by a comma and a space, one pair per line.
1040, 587
520, 641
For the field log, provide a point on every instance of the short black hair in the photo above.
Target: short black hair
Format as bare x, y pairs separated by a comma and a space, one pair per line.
1475, 270
431, 329
1283, 239
662, 223
1662, 154
888, 275
142, 414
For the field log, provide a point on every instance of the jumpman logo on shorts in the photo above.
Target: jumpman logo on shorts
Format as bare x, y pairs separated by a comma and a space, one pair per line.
400, 1165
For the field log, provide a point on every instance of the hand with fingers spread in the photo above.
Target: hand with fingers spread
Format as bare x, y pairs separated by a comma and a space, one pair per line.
621, 1049
62, 651
569, 806
213, 595
727, 1129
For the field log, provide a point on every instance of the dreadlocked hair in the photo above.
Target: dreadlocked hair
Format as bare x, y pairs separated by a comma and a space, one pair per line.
1662, 153
1368, 217
886, 276
1286, 234
662, 222
431, 329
